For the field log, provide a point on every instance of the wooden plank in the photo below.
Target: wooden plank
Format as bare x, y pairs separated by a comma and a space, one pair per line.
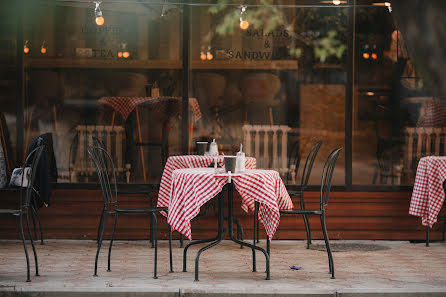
74, 214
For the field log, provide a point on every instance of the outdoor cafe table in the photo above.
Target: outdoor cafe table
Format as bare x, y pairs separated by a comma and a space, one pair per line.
428, 194
189, 161
193, 187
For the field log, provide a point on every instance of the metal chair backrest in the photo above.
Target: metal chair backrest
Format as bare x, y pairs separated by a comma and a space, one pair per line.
327, 175
97, 142
309, 164
105, 170
32, 161
294, 159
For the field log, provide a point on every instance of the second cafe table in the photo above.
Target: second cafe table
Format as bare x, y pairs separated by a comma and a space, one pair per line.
193, 187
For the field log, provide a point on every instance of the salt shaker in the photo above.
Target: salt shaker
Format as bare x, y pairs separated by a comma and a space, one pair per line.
213, 148
240, 160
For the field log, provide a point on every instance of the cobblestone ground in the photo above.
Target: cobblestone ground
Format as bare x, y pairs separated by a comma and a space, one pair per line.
67, 264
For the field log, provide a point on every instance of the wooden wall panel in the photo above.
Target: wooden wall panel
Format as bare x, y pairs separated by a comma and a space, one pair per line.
74, 214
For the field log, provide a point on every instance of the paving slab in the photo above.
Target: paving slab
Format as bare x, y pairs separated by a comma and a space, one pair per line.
376, 268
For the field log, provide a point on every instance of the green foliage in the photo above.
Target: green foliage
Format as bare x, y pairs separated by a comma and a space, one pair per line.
329, 46
269, 17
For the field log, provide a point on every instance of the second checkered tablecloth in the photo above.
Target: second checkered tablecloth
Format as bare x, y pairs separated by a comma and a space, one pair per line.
428, 194
193, 187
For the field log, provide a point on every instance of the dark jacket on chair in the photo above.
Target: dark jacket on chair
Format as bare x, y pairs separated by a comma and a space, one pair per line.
46, 170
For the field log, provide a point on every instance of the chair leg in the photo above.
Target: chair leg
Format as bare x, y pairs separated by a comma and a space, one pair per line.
254, 239
170, 247
151, 221
239, 231
155, 220
327, 245
307, 229
103, 224
181, 240
28, 278
444, 226
100, 224
32, 242
427, 235
306, 222
256, 216
111, 240
34, 222
37, 213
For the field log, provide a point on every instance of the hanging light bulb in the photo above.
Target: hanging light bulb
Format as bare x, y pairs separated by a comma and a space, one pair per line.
43, 48
202, 56
98, 14
26, 49
243, 22
123, 51
366, 55
374, 56
209, 55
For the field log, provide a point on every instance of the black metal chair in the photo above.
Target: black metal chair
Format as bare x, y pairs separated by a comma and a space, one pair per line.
23, 211
300, 193
327, 175
139, 190
107, 177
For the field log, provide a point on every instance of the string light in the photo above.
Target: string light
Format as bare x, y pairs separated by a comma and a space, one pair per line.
43, 48
123, 51
99, 19
26, 48
388, 5
366, 55
374, 56
209, 55
202, 56
243, 22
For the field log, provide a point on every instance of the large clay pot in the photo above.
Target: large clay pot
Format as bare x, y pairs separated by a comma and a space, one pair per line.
209, 88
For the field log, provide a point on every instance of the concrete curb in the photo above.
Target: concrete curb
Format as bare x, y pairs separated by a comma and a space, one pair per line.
425, 292
251, 293
114, 292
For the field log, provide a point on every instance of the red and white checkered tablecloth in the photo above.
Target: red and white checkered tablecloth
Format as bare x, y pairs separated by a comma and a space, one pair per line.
193, 187
189, 161
428, 194
125, 105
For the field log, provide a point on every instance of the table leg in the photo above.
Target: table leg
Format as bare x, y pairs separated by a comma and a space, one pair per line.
215, 239
231, 234
218, 238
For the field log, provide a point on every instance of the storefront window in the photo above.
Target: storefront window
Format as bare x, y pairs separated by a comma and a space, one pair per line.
8, 91
85, 80
277, 86
395, 119
275, 77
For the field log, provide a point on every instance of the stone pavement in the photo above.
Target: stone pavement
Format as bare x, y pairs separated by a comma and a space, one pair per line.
381, 268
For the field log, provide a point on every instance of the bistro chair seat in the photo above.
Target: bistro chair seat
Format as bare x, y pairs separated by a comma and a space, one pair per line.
301, 211
23, 212
140, 210
107, 177
327, 175
14, 212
